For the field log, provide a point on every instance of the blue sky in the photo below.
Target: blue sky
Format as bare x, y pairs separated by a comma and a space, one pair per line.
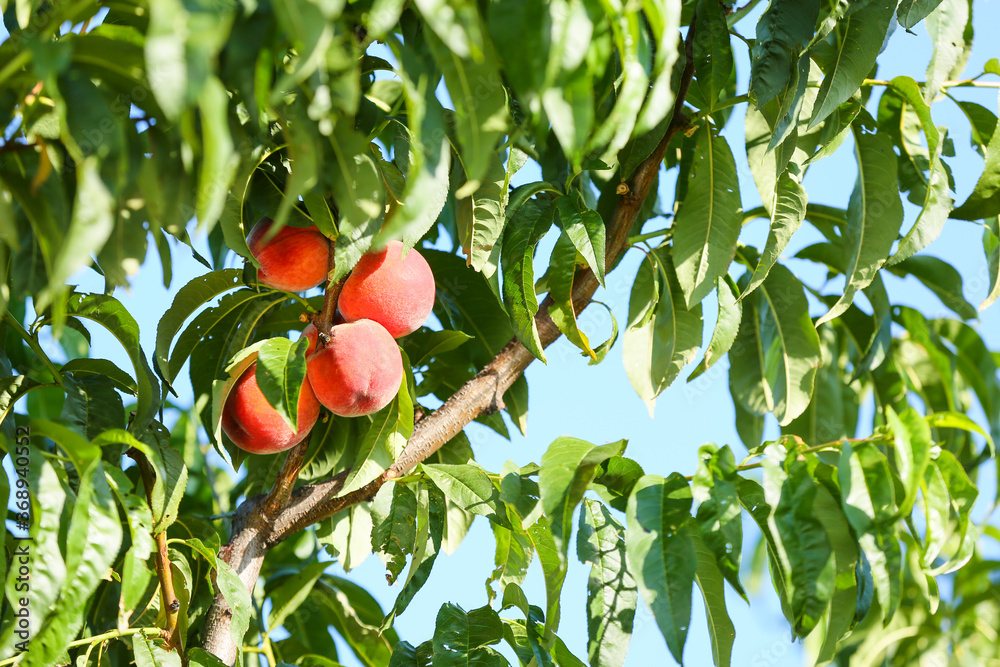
568, 397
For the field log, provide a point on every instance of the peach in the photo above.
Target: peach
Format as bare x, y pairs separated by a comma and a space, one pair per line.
358, 372
254, 426
295, 259
384, 287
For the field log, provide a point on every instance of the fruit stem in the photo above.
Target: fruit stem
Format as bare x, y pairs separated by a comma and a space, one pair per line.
324, 321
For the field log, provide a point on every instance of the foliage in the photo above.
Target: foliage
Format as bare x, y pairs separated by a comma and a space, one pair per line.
382, 119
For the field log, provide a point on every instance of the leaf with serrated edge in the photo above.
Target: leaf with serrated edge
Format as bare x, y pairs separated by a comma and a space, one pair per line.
586, 230
727, 325
661, 553
281, 371
874, 213
863, 34
709, 220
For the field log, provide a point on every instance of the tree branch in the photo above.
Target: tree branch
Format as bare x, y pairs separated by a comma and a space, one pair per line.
256, 529
314, 502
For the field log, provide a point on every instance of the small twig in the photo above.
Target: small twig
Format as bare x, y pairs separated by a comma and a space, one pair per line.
283, 485
169, 602
96, 639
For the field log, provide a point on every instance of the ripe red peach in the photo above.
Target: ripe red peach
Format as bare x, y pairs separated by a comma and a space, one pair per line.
254, 426
358, 372
396, 292
294, 260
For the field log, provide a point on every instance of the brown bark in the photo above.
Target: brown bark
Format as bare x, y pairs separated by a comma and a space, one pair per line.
258, 526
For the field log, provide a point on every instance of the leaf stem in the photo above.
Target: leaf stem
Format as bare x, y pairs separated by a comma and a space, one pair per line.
639, 238
724, 104
964, 83
32, 342
96, 639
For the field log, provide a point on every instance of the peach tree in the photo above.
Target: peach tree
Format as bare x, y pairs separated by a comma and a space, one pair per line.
475, 132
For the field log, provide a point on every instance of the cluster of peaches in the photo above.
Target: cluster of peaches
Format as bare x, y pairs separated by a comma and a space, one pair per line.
356, 368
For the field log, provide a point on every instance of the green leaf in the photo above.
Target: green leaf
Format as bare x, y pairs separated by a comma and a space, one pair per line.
941, 278
462, 638
92, 405
663, 334
911, 450
859, 39
661, 553
616, 128
787, 213
423, 345
110, 314
219, 161
984, 202
719, 518
846, 603
347, 536
727, 325
611, 591
466, 303
93, 534
480, 101
783, 31
513, 556
664, 20
281, 372
774, 359
911, 12
949, 495
394, 532
991, 246
720, 626
484, 215
468, 486
189, 298
360, 195
568, 466
805, 545
874, 213
291, 593
431, 516
950, 29
713, 55
390, 428
150, 653
356, 616
553, 570
561, 272
960, 421
585, 229
167, 68
870, 506
523, 232
427, 154
90, 226
709, 219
